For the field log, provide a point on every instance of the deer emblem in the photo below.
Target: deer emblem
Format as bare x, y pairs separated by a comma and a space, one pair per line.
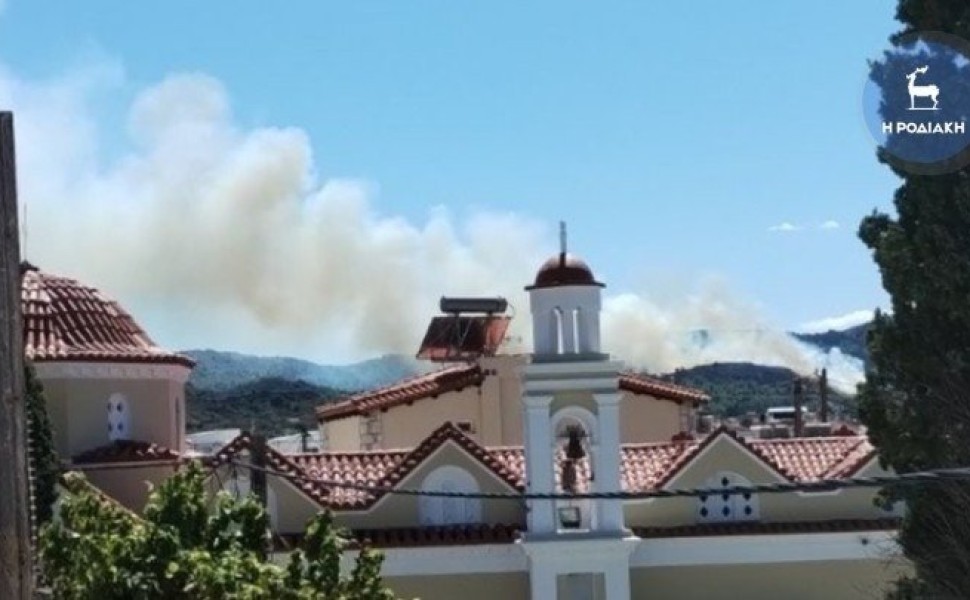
921, 91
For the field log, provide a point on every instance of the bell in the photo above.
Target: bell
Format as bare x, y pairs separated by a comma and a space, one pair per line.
569, 476
574, 447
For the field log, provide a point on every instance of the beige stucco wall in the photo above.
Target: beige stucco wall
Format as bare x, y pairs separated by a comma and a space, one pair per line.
647, 419
472, 586
822, 580
405, 426
79, 416
726, 455
342, 435
293, 509
129, 485
495, 411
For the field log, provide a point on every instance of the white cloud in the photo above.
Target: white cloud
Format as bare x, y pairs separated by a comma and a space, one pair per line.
829, 225
838, 323
784, 227
215, 235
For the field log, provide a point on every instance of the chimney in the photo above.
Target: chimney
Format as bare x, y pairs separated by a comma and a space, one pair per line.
799, 400
823, 396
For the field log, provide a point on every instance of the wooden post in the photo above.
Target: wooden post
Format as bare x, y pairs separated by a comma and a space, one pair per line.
798, 392
823, 396
16, 573
258, 473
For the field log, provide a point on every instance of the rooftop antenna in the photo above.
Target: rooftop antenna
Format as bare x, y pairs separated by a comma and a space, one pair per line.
562, 241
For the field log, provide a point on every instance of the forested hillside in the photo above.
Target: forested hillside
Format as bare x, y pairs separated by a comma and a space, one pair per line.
268, 404
737, 388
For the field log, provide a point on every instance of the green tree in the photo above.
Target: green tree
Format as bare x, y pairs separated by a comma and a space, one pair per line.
43, 457
914, 399
189, 546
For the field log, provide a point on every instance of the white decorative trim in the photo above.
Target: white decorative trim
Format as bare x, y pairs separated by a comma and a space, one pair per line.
110, 370
580, 552
541, 386
561, 368
765, 549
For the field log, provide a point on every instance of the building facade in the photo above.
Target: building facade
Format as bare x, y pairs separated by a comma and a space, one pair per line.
568, 419
116, 400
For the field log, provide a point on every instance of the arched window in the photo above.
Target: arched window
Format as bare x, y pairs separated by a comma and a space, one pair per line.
579, 330
560, 337
443, 510
119, 420
724, 506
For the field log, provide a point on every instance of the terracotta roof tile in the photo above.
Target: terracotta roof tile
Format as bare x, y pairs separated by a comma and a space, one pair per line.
809, 459
763, 528
68, 321
461, 535
643, 467
795, 459
665, 390
457, 378
122, 451
404, 537
430, 385
449, 535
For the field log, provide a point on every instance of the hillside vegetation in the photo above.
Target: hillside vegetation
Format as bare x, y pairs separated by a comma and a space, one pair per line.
738, 388
220, 370
266, 404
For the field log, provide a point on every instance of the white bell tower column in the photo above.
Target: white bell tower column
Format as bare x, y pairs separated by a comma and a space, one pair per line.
569, 380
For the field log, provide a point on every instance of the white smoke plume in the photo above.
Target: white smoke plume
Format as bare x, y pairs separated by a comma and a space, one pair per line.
221, 236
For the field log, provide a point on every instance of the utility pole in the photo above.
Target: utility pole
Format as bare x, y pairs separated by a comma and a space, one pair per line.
823, 396
257, 474
798, 395
16, 572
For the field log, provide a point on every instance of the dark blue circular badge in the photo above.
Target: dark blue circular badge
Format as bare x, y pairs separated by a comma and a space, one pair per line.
917, 103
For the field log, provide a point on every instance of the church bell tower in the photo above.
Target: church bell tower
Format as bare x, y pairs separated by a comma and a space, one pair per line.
571, 420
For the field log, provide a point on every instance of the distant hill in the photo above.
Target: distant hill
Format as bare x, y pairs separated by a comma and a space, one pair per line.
221, 370
268, 403
737, 388
230, 389
850, 341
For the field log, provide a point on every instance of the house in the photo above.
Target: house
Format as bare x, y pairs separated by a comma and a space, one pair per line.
567, 418
116, 400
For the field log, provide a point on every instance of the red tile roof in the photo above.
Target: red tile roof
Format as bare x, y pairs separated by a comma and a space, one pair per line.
462, 337
768, 528
796, 459
463, 535
643, 467
665, 390
123, 451
430, 385
457, 378
404, 537
371, 469
65, 320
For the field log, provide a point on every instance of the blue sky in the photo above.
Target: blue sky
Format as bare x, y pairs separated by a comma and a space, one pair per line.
675, 138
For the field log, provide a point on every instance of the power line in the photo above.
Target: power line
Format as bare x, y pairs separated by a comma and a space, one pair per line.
822, 485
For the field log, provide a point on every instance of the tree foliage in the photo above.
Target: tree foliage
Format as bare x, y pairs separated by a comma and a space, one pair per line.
914, 400
189, 546
43, 457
